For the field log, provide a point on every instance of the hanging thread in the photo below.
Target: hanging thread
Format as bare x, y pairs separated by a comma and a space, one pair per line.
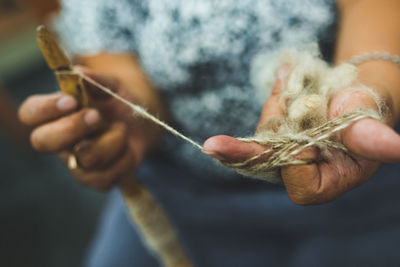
282, 146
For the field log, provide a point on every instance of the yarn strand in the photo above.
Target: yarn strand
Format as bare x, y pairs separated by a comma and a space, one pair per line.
139, 110
283, 148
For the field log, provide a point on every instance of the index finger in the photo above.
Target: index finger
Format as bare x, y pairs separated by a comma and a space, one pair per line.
38, 109
272, 108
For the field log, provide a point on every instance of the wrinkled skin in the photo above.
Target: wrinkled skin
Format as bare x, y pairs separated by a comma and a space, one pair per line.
370, 142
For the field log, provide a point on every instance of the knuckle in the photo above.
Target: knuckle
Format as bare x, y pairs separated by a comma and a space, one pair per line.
38, 142
69, 127
66, 135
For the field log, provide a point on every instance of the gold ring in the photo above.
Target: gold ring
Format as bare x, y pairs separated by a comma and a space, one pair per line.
72, 162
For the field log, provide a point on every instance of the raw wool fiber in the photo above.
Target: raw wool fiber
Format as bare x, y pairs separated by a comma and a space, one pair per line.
305, 101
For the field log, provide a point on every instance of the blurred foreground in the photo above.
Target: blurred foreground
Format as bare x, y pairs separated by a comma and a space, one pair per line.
46, 217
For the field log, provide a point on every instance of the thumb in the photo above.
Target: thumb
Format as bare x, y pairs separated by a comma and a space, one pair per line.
104, 79
230, 149
373, 140
367, 138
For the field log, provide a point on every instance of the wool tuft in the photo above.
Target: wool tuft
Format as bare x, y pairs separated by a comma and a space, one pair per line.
304, 99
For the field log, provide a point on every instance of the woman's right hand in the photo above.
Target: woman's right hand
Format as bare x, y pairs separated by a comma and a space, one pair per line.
107, 141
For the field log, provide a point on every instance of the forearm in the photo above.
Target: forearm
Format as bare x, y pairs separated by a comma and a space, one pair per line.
126, 68
367, 26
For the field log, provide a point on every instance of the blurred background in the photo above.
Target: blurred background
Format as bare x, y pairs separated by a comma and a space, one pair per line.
46, 217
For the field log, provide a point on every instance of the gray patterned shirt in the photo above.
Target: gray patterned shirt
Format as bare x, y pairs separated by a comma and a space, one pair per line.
209, 58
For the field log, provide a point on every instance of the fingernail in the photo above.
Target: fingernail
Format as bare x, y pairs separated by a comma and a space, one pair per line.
92, 117
66, 103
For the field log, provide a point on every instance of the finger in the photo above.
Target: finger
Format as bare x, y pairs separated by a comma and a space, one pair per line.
230, 149
101, 151
39, 109
367, 138
104, 179
105, 80
303, 182
349, 100
314, 184
272, 109
66, 131
373, 140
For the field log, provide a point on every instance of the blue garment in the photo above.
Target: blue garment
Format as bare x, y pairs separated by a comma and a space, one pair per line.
212, 60
247, 223
207, 59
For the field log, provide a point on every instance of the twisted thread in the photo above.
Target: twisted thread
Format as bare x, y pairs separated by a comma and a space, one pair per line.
282, 148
